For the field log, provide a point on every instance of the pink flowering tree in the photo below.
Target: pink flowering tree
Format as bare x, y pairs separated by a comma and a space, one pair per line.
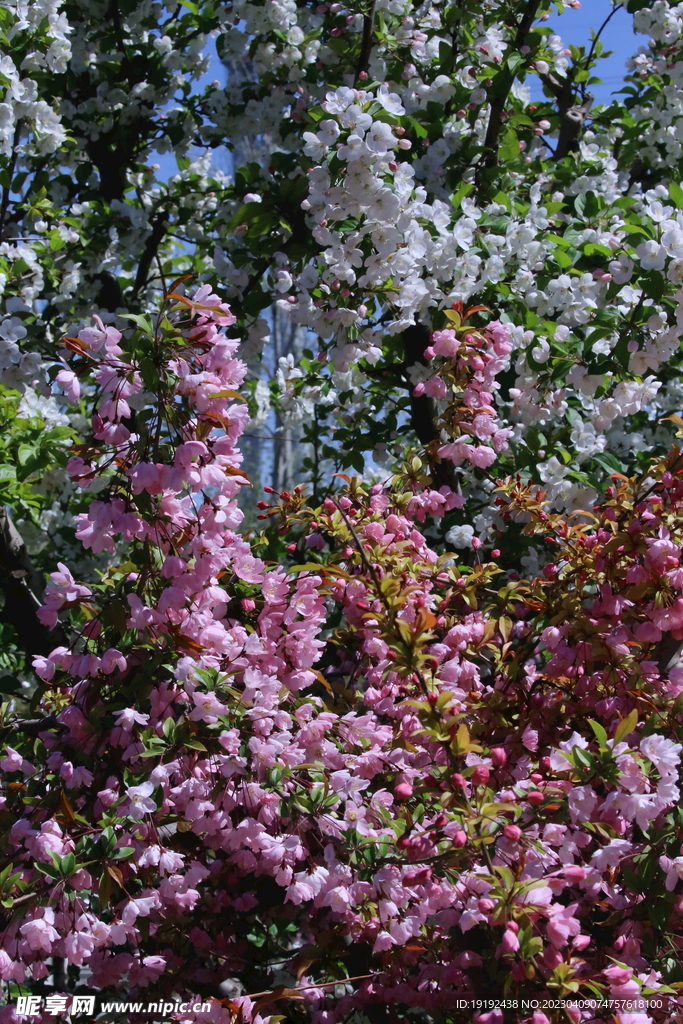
373, 781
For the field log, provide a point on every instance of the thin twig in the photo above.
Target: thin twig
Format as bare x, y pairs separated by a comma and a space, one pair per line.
366, 44
596, 39
6, 189
306, 988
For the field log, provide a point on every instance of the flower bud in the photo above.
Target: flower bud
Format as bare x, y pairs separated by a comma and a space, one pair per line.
509, 942
513, 833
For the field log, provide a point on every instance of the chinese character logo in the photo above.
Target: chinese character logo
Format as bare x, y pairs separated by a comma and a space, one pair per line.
55, 1005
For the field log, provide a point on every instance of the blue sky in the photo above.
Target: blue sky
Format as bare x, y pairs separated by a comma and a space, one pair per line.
575, 28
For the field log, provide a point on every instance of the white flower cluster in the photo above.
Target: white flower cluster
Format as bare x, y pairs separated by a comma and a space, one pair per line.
24, 116
17, 366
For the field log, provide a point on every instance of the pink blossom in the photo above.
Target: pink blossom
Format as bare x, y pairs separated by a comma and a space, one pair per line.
140, 802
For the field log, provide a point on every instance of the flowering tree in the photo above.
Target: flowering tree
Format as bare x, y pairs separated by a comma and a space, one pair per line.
329, 768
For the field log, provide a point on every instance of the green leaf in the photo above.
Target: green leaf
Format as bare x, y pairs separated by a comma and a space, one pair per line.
626, 726
462, 192
122, 852
506, 875
653, 284
67, 865
609, 462
47, 869
509, 149
419, 130
143, 322
592, 204
600, 734
25, 453
676, 193
592, 249
194, 744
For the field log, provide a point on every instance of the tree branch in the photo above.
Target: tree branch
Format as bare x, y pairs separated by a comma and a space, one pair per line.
366, 44
506, 80
415, 341
6, 189
596, 38
159, 225
23, 590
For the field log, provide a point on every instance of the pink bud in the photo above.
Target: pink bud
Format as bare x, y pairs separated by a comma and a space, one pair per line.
498, 757
509, 942
512, 832
460, 838
535, 798
403, 791
480, 775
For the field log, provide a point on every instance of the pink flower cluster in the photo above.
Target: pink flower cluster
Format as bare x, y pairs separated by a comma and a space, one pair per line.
472, 359
380, 758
